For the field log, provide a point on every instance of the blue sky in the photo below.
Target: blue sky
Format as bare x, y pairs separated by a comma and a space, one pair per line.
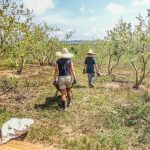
88, 18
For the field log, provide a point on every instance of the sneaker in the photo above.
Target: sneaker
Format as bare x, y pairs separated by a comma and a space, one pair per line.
61, 106
61, 109
91, 85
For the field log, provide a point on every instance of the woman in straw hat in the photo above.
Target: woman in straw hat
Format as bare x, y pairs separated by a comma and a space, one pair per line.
90, 68
64, 75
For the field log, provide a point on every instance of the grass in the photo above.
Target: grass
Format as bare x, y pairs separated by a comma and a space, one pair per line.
105, 117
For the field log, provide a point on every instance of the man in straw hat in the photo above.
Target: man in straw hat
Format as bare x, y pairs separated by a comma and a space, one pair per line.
64, 75
90, 68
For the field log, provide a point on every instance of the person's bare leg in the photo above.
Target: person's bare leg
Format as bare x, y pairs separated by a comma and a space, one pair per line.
63, 98
68, 96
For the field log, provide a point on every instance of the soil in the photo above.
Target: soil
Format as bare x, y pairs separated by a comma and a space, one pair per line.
8, 74
19, 145
115, 85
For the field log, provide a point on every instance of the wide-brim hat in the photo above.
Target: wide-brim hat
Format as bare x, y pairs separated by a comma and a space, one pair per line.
64, 54
91, 52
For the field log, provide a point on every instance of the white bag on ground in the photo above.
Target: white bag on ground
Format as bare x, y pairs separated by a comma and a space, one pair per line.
14, 128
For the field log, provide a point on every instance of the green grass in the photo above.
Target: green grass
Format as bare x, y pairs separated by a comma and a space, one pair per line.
99, 118
4, 115
6, 64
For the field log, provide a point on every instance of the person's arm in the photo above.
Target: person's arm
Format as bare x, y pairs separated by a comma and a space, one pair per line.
73, 72
96, 68
56, 72
84, 69
85, 65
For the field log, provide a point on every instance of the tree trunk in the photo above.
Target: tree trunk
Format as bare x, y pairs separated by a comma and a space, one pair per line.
40, 62
109, 65
139, 79
21, 65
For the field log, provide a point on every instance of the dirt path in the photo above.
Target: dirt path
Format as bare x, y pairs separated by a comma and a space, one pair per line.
19, 145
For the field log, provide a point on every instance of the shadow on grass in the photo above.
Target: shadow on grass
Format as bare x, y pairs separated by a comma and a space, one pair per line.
118, 79
121, 81
53, 102
79, 86
22, 137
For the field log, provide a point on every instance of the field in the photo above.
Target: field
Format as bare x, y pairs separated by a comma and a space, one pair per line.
110, 116
115, 114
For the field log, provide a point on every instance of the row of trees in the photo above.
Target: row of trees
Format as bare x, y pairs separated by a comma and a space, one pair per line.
127, 43
132, 42
23, 41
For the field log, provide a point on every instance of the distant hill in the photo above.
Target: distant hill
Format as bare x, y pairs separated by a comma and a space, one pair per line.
78, 41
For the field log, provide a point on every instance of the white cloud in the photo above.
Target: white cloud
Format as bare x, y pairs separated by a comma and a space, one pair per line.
71, 30
58, 18
93, 33
92, 11
140, 2
93, 18
90, 23
82, 8
59, 34
114, 8
38, 6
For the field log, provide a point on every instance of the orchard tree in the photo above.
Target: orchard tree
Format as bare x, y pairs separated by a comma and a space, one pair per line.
101, 54
140, 49
20, 52
11, 14
38, 42
68, 36
53, 46
83, 49
117, 41
42, 45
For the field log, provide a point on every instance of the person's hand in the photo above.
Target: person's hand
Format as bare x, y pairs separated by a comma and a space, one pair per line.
55, 82
98, 73
74, 81
84, 71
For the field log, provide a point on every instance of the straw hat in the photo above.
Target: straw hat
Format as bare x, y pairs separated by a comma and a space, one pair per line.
64, 54
91, 52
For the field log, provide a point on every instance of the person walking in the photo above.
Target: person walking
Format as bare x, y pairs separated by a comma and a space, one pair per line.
64, 76
90, 68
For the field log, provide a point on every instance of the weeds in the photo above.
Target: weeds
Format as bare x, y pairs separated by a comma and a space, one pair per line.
4, 116
8, 85
100, 118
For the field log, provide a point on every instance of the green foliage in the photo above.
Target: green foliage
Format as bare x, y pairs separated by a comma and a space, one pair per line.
10, 19
83, 143
40, 45
21, 40
139, 52
4, 116
82, 49
100, 118
117, 41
